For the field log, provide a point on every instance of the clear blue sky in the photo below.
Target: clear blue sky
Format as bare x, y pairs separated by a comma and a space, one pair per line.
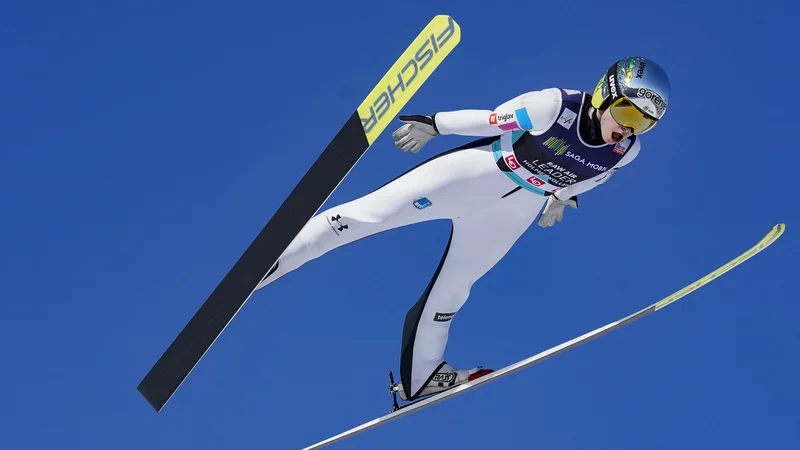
145, 144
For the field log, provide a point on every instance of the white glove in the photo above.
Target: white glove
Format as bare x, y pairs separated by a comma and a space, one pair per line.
416, 132
554, 210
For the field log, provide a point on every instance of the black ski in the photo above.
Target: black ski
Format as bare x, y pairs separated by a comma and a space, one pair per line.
352, 141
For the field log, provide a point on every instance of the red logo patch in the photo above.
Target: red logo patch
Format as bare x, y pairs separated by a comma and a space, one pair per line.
535, 181
493, 119
512, 162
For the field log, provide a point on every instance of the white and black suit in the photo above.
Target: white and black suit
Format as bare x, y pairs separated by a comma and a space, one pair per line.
538, 144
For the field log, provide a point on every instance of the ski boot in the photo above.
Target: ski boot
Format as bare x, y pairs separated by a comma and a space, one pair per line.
445, 378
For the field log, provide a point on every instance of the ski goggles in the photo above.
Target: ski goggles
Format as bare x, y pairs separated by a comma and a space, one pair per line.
628, 115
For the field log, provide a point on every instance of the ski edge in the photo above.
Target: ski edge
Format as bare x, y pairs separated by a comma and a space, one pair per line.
765, 242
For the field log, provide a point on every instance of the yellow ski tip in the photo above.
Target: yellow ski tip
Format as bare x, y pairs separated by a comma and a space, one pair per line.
407, 74
765, 242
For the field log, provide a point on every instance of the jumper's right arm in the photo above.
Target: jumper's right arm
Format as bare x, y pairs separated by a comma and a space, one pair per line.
526, 112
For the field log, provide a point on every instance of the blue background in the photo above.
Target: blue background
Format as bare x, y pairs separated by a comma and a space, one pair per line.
145, 144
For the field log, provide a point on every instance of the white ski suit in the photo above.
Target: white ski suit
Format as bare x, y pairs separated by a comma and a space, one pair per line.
538, 144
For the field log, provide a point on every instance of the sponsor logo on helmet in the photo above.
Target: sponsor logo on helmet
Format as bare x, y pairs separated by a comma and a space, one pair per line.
612, 83
652, 96
640, 70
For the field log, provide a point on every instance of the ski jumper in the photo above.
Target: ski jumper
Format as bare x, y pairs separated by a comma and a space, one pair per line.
538, 144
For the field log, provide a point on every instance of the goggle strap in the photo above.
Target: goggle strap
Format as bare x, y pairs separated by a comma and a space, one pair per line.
613, 83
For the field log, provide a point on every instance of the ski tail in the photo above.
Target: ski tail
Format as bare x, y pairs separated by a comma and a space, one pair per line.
441, 35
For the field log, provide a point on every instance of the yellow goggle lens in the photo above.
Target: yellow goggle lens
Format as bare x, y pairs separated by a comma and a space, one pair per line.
628, 115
